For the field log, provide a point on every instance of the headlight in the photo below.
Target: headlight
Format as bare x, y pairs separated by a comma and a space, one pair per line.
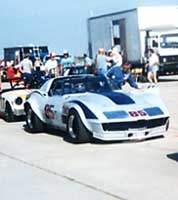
18, 100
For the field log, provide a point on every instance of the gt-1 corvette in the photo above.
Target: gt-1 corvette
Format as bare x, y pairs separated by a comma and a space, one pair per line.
86, 107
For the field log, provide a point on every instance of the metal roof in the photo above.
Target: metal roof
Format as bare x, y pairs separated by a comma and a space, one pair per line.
111, 14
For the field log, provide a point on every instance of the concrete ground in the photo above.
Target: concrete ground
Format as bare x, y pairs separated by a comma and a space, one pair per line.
44, 166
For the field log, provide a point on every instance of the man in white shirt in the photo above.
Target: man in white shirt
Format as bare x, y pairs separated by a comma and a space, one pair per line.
51, 66
116, 57
26, 67
87, 63
101, 62
152, 66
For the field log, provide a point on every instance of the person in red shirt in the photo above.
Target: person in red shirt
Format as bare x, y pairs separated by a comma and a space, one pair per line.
10, 70
13, 73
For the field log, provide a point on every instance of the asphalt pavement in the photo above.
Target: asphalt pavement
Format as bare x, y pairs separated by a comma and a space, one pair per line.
45, 166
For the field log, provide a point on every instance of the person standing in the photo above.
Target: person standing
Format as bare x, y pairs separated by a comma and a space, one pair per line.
10, 70
101, 62
37, 64
152, 66
116, 57
26, 67
51, 66
87, 63
66, 61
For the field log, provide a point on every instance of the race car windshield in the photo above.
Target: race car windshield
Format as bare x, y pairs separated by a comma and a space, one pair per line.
97, 84
86, 84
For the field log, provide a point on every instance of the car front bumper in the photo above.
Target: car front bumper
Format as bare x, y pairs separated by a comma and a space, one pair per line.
131, 134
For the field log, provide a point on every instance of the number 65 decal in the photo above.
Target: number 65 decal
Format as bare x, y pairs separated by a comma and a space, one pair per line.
137, 113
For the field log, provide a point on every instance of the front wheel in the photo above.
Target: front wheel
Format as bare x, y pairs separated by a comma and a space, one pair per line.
77, 132
34, 124
9, 115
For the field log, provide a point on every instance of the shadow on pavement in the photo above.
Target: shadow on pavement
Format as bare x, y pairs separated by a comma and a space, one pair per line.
94, 141
173, 156
100, 142
48, 130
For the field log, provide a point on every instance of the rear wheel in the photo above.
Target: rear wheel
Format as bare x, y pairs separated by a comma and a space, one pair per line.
34, 124
9, 115
77, 132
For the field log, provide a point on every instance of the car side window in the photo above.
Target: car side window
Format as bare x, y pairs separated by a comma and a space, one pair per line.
67, 88
56, 89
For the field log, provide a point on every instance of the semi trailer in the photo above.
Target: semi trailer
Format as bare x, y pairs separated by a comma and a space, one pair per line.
135, 31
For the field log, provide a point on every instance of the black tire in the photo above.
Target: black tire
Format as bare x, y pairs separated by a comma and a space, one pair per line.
77, 132
34, 124
9, 115
158, 76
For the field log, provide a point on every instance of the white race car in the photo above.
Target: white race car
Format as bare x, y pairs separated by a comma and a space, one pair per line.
12, 103
86, 107
12, 99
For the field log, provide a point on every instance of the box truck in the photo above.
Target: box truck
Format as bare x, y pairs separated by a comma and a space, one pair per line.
135, 31
17, 53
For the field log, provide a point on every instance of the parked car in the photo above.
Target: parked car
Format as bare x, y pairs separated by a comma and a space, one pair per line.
11, 103
12, 99
86, 107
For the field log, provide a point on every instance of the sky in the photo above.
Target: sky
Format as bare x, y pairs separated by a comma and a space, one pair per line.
60, 24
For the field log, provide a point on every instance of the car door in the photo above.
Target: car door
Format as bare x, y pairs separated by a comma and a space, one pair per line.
53, 107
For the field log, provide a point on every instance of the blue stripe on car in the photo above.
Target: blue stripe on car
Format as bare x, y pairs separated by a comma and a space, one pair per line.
154, 111
118, 98
116, 115
88, 113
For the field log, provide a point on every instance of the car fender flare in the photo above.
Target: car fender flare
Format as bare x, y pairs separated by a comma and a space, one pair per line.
35, 108
79, 110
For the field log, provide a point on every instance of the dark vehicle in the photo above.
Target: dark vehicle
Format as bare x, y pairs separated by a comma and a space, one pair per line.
17, 53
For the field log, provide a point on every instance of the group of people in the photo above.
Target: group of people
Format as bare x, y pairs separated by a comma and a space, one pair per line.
27, 70
109, 64
54, 68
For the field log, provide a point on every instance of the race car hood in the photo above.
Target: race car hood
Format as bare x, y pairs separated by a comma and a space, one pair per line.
106, 100
114, 105
103, 102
